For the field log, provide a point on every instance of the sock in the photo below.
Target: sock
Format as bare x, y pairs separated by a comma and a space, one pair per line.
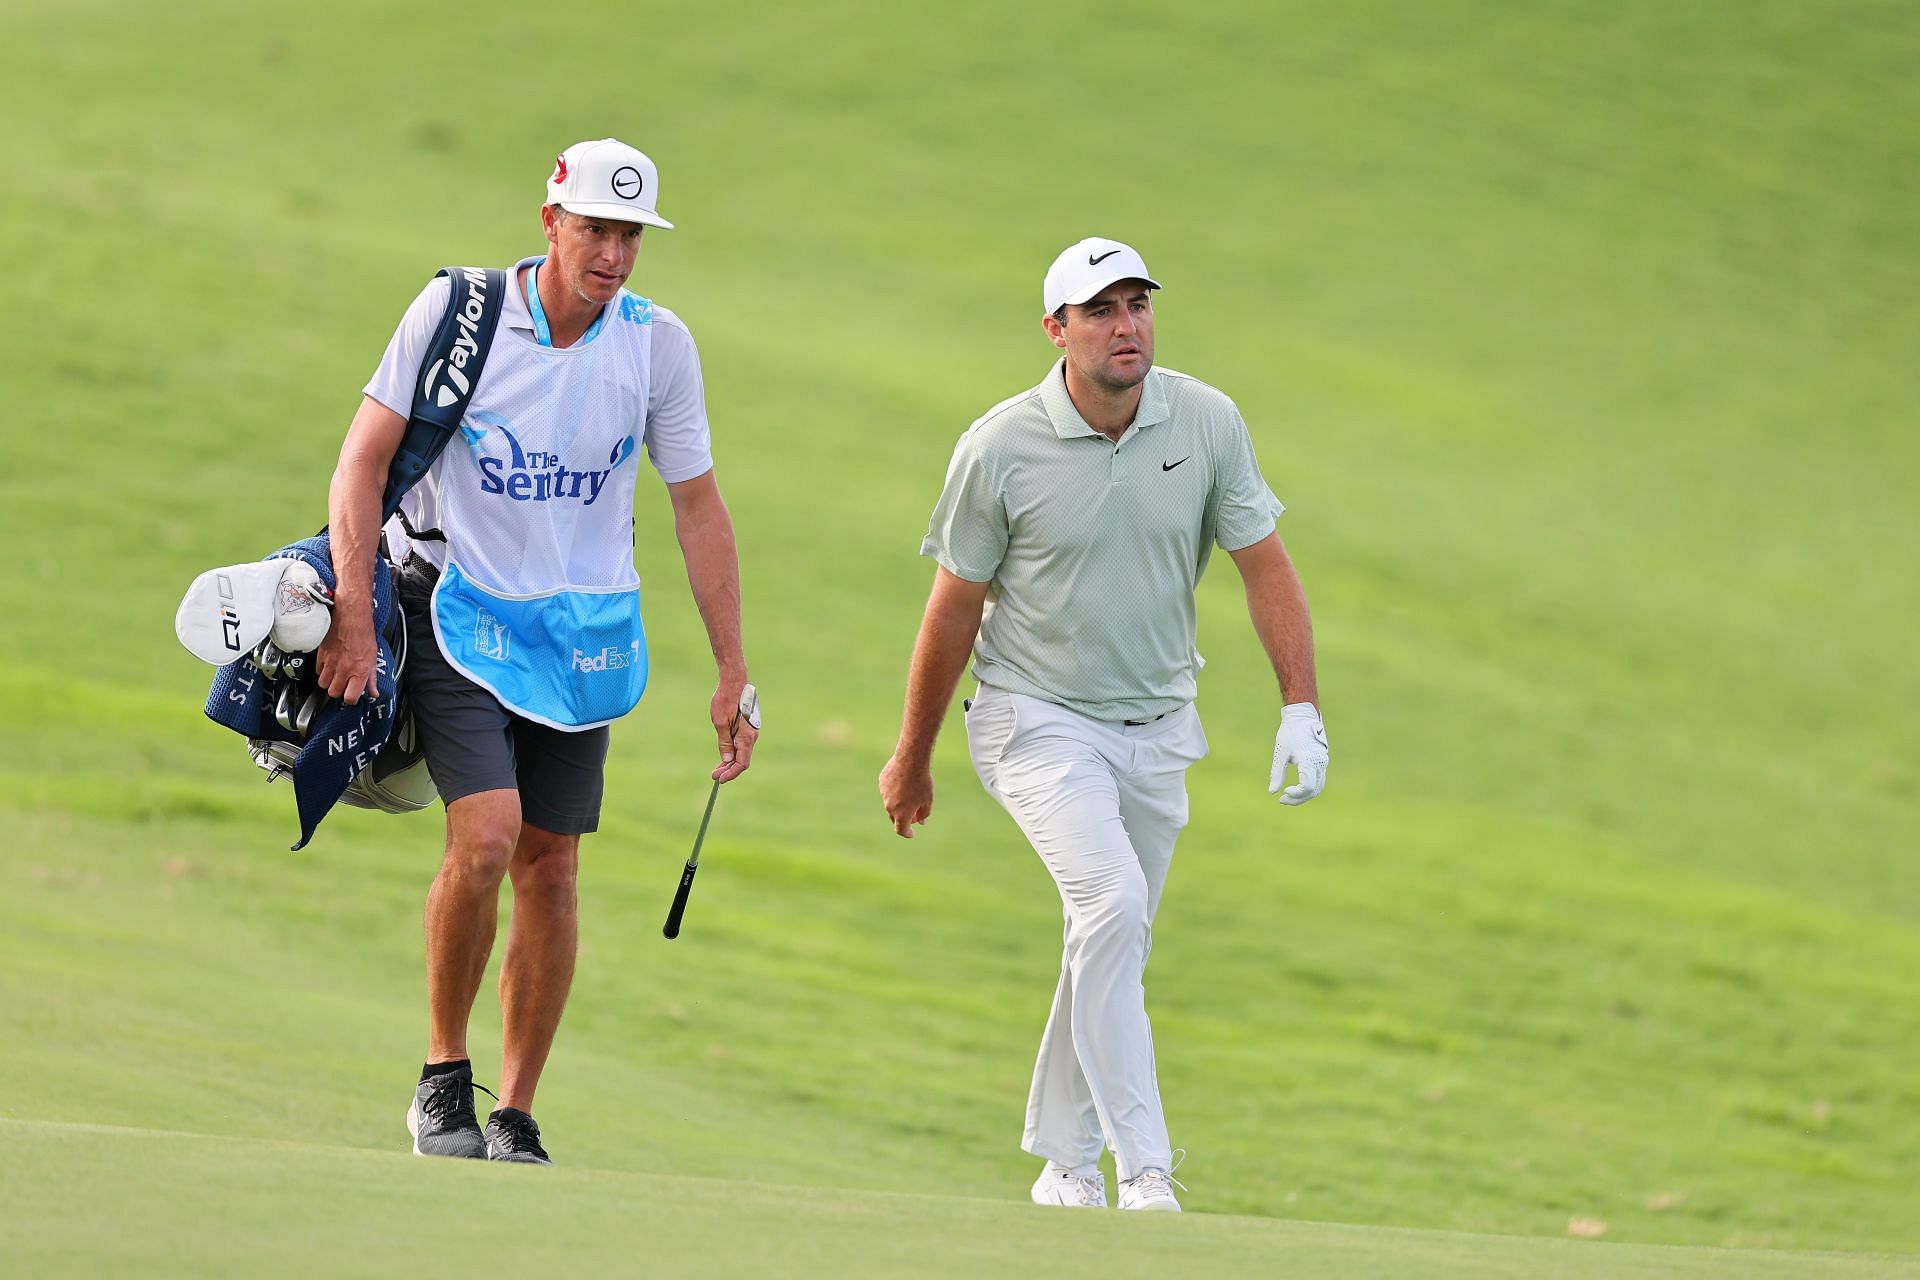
433, 1069
508, 1113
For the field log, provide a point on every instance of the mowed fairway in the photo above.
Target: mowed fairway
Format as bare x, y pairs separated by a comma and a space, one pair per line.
1579, 340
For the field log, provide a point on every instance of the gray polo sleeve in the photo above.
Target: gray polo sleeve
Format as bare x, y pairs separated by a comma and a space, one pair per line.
968, 532
392, 382
1246, 508
679, 442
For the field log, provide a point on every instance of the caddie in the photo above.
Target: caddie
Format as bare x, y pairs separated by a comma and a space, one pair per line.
522, 607
1076, 521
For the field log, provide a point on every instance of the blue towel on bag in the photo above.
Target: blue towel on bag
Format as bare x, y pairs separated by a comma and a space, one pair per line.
342, 740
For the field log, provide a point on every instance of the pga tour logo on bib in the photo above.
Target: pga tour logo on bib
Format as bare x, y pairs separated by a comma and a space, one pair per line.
490, 636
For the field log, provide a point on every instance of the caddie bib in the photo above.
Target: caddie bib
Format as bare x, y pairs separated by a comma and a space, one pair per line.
538, 602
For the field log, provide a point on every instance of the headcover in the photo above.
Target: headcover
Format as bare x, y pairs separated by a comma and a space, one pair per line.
226, 612
342, 740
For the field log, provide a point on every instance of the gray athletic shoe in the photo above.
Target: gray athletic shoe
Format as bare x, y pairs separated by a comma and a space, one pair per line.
442, 1120
513, 1136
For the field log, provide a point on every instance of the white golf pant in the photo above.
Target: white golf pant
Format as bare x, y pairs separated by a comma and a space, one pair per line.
1102, 804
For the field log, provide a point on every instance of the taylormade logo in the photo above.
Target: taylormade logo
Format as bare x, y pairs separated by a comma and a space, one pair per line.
610, 658
465, 344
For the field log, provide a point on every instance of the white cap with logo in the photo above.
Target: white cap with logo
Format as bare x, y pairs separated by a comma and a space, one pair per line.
607, 179
1084, 269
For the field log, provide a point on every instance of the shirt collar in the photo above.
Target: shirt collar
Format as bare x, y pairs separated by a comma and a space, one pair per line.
517, 315
1067, 422
513, 308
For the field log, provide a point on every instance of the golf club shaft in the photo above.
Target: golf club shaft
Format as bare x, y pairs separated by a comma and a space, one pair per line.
679, 908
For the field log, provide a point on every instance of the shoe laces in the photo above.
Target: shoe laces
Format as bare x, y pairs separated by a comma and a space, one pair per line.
1088, 1190
518, 1134
451, 1098
1151, 1180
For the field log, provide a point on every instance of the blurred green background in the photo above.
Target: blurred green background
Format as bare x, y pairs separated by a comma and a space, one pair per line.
1578, 338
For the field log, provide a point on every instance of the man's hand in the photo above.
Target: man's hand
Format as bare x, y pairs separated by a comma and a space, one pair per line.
347, 660
735, 712
906, 789
1301, 742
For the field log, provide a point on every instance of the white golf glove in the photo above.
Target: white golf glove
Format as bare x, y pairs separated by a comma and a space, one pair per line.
1301, 742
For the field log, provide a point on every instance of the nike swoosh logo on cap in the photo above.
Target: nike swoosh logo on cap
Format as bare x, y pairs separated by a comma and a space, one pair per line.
1094, 262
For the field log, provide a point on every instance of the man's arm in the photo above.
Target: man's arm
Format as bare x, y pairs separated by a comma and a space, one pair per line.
940, 656
346, 660
1278, 606
705, 531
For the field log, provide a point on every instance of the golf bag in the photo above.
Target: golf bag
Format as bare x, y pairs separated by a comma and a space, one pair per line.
367, 754
397, 780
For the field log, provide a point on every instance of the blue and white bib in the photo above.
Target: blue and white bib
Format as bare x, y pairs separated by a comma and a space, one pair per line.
538, 601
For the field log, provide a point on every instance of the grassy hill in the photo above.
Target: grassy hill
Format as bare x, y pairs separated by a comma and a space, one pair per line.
1576, 337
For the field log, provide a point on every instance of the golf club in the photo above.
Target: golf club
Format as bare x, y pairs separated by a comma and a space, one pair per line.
750, 708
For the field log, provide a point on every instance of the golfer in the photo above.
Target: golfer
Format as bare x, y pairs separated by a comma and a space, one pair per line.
1076, 521
523, 609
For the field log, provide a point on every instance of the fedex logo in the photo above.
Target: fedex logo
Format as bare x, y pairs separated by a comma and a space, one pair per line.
611, 658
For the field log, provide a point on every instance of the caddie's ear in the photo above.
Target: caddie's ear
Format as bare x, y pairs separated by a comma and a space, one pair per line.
226, 612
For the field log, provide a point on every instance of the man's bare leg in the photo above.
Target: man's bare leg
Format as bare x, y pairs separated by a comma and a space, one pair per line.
463, 909
542, 940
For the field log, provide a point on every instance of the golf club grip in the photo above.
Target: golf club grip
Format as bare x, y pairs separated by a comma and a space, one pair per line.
679, 907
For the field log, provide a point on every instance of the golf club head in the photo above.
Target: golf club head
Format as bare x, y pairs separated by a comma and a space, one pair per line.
268, 659
309, 708
286, 707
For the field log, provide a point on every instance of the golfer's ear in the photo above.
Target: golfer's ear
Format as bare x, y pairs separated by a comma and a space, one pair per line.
1056, 330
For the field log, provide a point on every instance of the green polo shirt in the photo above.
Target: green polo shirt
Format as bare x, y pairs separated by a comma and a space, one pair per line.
1093, 547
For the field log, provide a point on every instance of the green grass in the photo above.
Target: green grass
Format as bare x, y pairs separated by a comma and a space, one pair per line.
192, 1205
1577, 338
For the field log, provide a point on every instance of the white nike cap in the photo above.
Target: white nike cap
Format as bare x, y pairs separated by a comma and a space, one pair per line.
1084, 269
607, 179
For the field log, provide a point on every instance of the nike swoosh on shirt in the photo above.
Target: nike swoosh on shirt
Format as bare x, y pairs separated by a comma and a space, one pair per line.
1168, 466
1094, 262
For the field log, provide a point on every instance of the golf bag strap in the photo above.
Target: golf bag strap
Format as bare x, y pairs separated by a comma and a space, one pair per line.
449, 372
419, 535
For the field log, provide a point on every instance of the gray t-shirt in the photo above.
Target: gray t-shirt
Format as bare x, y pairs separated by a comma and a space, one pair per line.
1093, 548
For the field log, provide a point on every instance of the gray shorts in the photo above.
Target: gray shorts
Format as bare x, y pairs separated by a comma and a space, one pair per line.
474, 744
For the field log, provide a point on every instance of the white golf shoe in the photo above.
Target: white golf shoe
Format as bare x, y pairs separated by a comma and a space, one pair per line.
1058, 1184
1150, 1189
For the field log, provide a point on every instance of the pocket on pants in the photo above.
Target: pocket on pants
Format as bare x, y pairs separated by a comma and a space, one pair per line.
991, 722
1196, 744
